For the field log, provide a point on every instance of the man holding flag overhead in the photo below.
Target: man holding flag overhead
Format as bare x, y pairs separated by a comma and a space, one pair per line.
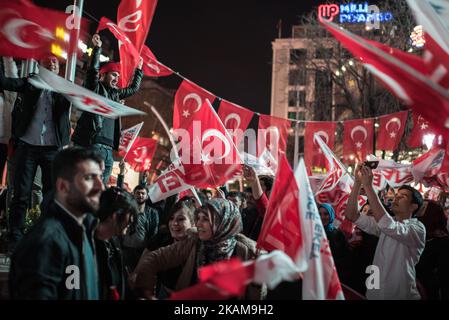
401, 238
96, 131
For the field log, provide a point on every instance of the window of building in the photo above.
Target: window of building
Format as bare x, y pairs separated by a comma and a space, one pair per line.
298, 56
297, 98
324, 53
297, 77
300, 115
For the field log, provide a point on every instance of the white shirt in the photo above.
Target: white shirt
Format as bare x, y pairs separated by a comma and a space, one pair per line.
398, 251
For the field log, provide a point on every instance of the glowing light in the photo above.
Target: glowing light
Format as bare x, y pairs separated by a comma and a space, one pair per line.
417, 37
351, 63
428, 140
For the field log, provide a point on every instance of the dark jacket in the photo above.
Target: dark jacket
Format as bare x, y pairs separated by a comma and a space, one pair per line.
111, 270
39, 264
91, 128
26, 105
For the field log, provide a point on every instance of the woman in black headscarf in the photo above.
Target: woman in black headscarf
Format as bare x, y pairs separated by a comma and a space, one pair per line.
217, 238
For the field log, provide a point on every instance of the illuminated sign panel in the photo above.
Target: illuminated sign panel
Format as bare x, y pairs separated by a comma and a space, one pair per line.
353, 13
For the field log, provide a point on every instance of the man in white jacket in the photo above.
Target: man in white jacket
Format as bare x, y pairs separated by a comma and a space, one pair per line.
402, 238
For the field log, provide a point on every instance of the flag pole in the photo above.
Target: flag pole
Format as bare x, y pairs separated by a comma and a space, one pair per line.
70, 69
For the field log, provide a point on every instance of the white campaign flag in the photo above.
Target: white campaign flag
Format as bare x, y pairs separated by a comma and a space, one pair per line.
81, 98
320, 280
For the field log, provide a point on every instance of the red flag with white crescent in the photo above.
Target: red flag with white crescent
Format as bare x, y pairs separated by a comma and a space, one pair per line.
151, 66
189, 100
134, 19
391, 130
206, 150
128, 137
272, 135
313, 155
141, 153
421, 128
29, 32
358, 139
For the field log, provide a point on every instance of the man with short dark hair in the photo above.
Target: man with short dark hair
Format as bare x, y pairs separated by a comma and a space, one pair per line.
40, 127
401, 239
117, 209
93, 130
236, 198
56, 259
142, 230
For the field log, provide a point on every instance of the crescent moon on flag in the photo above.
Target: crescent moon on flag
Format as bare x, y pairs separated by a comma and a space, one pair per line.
195, 97
322, 134
393, 120
11, 28
361, 129
215, 133
234, 116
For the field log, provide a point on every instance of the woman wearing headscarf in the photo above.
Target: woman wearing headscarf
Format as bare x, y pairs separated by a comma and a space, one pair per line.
336, 238
217, 238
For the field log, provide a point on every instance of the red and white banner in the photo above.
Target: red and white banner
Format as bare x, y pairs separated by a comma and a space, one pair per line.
406, 76
313, 155
81, 98
189, 100
151, 66
141, 153
320, 280
428, 165
28, 31
272, 135
127, 138
391, 129
168, 184
358, 139
281, 229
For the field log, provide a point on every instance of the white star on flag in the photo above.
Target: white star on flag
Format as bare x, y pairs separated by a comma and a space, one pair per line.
392, 135
358, 145
186, 113
424, 126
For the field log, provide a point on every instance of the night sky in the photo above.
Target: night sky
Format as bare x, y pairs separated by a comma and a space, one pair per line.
223, 46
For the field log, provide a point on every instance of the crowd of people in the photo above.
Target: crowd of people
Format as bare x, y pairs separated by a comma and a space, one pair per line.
93, 242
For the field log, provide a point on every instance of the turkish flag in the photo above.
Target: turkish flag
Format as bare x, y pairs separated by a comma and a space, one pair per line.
405, 75
134, 20
358, 139
129, 56
28, 31
151, 66
189, 99
391, 129
272, 135
206, 150
313, 155
141, 153
233, 116
235, 119
421, 127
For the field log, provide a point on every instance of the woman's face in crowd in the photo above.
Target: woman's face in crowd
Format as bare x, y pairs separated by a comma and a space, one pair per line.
178, 224
366, 210
204, 226
325, 217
